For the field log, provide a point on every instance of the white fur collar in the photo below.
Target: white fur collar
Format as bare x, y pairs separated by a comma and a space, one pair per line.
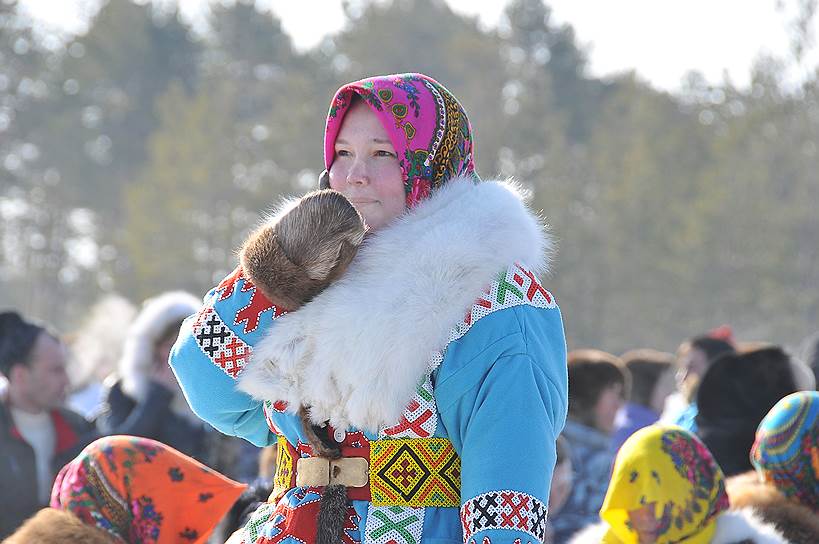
356, 352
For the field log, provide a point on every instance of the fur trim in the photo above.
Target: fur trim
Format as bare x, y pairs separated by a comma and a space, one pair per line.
156, 316
356, 353
738, 525
53, 526
303, 248
796, 522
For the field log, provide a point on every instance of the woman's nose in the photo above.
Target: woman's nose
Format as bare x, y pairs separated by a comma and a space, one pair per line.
358, 175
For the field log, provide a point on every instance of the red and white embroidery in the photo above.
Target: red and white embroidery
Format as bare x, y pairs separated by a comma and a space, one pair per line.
515, 287
219, 343
509, 510
251, 313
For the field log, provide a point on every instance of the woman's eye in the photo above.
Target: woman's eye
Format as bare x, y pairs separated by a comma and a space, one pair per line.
385, 153
342, 153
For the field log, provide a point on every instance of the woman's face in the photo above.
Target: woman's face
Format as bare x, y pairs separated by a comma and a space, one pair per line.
645, 524
365, 168
605, 411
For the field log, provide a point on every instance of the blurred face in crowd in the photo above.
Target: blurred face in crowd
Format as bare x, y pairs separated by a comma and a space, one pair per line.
365, 168
666, 384
42, 383
610, 401
645, 524
693, 365
561, 486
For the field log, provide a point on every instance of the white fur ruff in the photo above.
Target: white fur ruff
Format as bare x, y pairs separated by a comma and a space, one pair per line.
356, 353
137, 359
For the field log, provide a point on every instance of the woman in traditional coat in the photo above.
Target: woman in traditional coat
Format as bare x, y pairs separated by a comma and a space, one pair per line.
428, 381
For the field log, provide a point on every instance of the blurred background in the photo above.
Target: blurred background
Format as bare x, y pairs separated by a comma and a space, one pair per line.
673, 148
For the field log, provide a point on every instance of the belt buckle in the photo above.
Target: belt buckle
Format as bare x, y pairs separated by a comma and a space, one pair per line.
321, 472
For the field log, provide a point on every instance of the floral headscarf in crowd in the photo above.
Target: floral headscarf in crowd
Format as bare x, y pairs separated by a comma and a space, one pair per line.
669, 468
142, 491
427, 127
786, 451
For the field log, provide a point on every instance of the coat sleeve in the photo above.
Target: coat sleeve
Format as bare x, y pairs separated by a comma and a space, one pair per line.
503, 409
210, 353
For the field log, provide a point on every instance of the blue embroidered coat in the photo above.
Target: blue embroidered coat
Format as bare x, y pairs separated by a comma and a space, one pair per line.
497, 391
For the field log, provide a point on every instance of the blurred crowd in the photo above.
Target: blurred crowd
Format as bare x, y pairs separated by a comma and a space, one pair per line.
720, 437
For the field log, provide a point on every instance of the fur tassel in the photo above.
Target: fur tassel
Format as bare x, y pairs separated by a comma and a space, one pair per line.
332, 513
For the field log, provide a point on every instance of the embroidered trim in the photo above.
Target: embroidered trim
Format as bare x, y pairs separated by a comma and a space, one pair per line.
510, 510
417, 473
221, 345
394, 525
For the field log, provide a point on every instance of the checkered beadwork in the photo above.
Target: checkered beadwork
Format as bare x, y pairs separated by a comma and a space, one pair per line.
394, 525
419, 472
510, 510
219, 343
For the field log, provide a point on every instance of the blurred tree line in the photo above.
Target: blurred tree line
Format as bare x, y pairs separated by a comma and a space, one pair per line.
136, 157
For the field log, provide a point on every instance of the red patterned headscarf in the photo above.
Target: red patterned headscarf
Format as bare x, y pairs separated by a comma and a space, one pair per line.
426, 124
140, 490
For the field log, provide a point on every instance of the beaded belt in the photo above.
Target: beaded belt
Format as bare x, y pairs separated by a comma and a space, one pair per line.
416, 472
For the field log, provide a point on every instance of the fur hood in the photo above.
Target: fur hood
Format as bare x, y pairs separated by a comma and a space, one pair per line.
356, 352
156, 316
732, 527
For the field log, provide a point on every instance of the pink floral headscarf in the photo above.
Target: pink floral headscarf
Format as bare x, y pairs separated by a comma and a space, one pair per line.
426, 124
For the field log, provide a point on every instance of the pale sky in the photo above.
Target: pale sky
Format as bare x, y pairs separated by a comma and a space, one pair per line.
660, 39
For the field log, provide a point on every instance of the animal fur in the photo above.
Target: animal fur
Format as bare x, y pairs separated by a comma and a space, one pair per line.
52, 526
357, 351
291, 259
301, 250
798, 523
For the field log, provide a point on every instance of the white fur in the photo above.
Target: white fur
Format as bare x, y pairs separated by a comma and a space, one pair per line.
731, 527
738, 525
356, 353
137, 360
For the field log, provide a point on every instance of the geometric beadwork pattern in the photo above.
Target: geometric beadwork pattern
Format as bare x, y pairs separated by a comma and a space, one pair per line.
419, 419
394, 525
219, 343
250, 314
510, 510
284, 478
415, 472
515, 287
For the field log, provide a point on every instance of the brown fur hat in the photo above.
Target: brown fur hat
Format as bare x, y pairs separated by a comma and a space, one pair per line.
301, 250
52, 526
797, 523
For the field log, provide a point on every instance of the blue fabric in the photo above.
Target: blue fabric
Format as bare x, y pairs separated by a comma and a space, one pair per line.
501, 393
631, 418
592, 461
688, 418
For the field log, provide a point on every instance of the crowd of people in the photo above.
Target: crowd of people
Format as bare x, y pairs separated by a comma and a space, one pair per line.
343, 384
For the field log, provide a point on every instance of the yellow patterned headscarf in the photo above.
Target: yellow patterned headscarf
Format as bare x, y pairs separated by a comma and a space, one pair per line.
669, 468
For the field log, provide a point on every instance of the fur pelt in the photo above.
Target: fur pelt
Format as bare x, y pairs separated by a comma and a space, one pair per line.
52, 526
798, 523
137, 360
731, 528
356, 352
303, 248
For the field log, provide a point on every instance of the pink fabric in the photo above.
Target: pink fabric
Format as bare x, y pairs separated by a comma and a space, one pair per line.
427, 127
